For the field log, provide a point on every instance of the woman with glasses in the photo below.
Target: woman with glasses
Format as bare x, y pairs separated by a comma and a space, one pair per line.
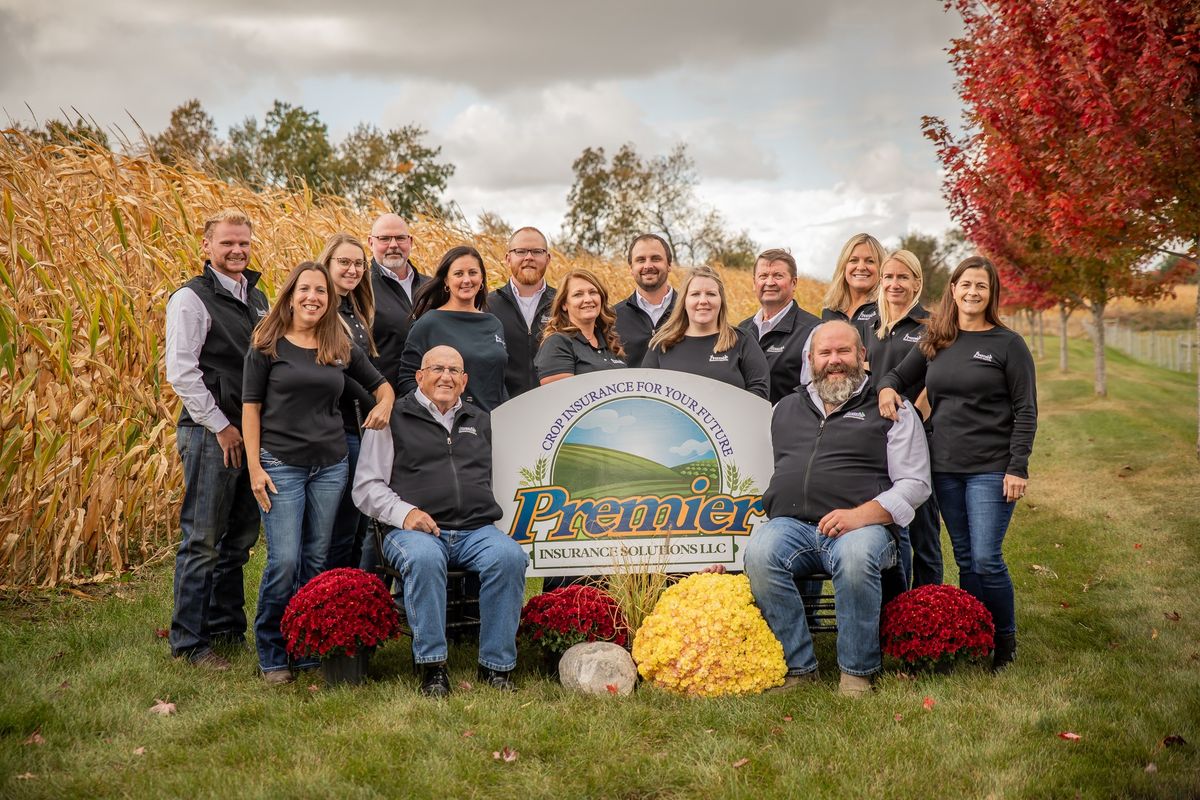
581, 335
347, 261
697, 338
451, 309
296, 453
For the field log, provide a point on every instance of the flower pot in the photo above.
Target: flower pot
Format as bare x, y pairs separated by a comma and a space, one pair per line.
343, 669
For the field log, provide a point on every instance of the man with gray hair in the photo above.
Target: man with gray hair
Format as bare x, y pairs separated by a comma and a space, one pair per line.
394, 280
845, 478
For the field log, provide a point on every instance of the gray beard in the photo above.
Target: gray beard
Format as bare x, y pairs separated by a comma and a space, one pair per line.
838, 390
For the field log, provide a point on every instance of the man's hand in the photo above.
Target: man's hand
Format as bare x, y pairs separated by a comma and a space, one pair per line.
230, 439
889, 403
843, 520
1014, 488
418, 520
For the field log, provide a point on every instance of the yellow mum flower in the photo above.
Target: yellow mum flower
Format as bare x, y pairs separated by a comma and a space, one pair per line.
706, 637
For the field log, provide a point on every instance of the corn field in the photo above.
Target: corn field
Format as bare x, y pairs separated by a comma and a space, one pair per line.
92, 243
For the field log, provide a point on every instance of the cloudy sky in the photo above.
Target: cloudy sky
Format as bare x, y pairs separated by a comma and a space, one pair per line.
803, 116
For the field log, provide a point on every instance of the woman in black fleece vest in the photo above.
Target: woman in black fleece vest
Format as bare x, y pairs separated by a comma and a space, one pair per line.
983, 395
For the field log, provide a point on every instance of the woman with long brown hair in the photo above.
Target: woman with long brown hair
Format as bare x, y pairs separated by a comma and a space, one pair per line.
982, 392
581, 335
347, 261
697, 338
296, 452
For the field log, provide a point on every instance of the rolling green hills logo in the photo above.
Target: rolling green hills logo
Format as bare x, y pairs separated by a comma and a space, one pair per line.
634, 467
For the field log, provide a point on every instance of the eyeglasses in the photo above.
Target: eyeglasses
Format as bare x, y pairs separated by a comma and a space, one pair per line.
398, 239
438, 369
347, 263
536, 252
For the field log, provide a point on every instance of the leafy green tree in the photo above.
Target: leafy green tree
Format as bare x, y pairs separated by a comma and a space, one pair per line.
588, 202
394, 165
191, 135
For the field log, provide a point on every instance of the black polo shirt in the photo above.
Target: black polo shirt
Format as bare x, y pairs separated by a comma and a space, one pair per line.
573, 354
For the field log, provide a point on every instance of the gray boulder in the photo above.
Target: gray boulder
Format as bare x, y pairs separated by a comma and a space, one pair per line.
601, 668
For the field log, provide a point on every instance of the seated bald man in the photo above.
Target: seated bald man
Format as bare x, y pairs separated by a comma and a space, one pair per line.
430, 479
845, 479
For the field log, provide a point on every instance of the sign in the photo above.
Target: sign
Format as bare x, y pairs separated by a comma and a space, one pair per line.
631, 470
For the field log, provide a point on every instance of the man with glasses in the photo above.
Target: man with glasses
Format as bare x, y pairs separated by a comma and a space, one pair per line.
438, 453
394, 281
523, 306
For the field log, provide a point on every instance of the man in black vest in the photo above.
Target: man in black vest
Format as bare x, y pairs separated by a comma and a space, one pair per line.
209, 323
843, 476
394, 280
523, 306
641, 314
780, 326
438, 452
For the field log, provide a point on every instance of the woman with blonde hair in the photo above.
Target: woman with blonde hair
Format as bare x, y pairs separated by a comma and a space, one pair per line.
851, 293
897, 330
581, 335
296, 451
698, 338
348, 263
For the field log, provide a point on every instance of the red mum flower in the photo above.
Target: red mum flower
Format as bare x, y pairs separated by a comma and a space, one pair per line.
936, 625
339, 611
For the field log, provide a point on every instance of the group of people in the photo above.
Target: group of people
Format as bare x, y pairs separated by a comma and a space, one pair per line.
365, 392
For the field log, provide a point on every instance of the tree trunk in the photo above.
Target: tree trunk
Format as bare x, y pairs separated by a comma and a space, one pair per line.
1041, 335
1064, 314
1197, 345
1101, 379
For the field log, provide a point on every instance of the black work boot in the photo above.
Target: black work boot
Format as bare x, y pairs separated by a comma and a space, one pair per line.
1005, 651
497, 679
435, 681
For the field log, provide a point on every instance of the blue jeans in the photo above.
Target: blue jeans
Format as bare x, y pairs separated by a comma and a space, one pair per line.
422, 559
219, 520
349, 526
977, 516
297, 528
925, 534
784, 548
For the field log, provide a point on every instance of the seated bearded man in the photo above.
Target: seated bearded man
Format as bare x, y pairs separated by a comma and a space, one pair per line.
844, 476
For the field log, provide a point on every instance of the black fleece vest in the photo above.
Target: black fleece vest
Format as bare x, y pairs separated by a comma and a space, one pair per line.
520, 375
446, 475
823, 464
228, 339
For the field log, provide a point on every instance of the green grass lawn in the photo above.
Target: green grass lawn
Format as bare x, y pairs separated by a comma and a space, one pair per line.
1104, 554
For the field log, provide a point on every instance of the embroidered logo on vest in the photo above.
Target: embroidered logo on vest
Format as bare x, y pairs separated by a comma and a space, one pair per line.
775, 348
468, 429
858, 415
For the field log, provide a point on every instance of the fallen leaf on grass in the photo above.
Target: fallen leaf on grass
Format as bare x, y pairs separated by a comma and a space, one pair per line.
611, 687
467, 734
82, 595
1064, 605
1153, 634
741, 762
905, 676
58, 655
464, 685
1137, 545
161, 633
1113, 645
897, 716
1069, 736
1038, 569
25, 776
35, 737
139, 751
64, 685
775, 731
1151, 768
1057, 545
1173, 616
710, 730
312, 687
787, 717
162, 707
1174, 740
929, 703
506, 754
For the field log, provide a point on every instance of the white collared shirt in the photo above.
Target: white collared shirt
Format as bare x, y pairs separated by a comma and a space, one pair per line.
654, 310
765, 326
528, 305
406, 283
445, 420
